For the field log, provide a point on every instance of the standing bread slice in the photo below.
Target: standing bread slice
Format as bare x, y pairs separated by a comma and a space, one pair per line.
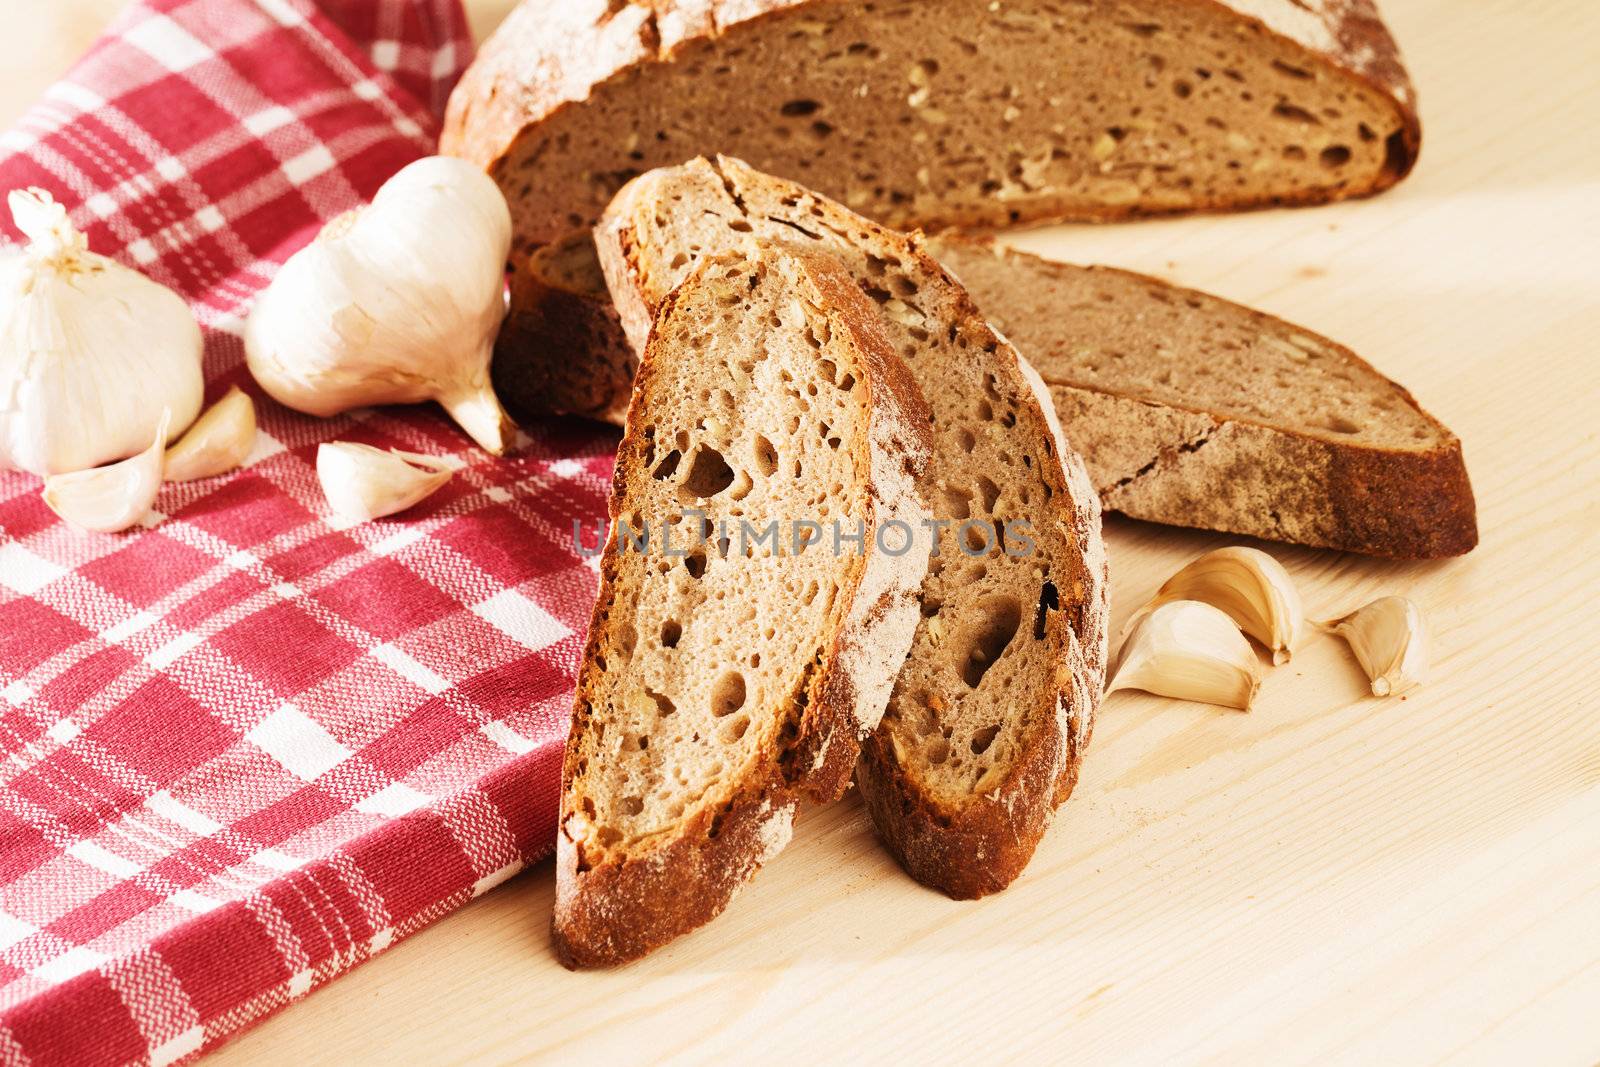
992, 711
731, 667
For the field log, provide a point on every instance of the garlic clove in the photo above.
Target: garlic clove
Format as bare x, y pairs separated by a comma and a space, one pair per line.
477, 410
363, 483
1189, 650
113, 498
1390, 640
218, 441
1249, 586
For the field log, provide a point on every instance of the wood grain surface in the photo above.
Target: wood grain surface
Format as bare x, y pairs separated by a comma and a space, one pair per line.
1330, 878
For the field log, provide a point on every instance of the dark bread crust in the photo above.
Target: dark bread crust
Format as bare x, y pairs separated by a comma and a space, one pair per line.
1402, 506
611, 907
1203, 469
982, 846
617, 912
553, 54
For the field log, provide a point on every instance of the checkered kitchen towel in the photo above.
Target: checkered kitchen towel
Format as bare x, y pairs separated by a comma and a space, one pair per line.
242, 749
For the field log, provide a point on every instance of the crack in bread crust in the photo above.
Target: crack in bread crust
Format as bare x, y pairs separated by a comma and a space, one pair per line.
1166, 454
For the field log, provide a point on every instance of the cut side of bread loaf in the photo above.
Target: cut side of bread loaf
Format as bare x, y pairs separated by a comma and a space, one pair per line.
991, 714
1188, 409
1194, 411
938, 113
729, 674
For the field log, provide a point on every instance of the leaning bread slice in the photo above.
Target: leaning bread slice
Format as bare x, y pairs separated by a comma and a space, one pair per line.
991, 713
1194, 411
734, 663
940, 113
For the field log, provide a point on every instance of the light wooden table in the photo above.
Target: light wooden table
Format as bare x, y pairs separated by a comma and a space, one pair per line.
1329, 878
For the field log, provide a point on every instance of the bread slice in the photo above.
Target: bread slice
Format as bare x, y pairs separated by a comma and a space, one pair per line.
938, 113
1303, 440
991, 713
735, 669
561, 349
1194, 411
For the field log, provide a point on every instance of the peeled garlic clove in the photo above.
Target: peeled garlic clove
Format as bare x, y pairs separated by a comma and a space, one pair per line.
91, 351
110, 499
1253, 590
1390, 640
1189, 650
362, 482
396, 303
218, 441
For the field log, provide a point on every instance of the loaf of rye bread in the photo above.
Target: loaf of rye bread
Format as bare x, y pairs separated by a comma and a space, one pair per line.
992, 711
728, 678
937, 113
917, 113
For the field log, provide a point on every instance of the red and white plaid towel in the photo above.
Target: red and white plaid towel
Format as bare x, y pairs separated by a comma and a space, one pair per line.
242, 749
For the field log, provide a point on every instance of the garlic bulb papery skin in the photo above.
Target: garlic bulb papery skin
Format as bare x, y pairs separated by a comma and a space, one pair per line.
111, 499
1390, 640
395, 303
1189, 650
1253, 590
91, 352
364, 483
218, 442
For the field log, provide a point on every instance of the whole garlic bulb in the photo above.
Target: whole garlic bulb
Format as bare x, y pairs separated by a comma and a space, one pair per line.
395, 303
91, 352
